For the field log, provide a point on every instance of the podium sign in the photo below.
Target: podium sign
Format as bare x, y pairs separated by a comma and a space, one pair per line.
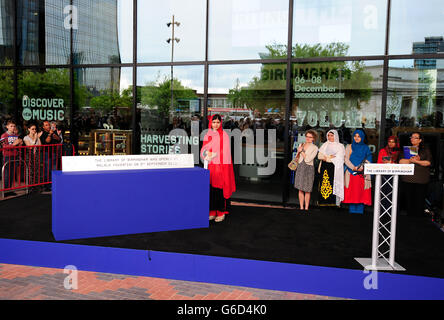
127, 162
384, 215
389, 169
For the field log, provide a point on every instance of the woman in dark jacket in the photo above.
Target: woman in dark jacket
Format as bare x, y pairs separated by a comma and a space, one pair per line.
415, 186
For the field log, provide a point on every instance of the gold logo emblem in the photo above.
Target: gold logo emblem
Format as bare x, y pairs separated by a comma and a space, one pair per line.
326, 189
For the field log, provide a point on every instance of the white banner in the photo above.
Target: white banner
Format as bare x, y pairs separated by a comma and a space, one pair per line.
389, 169
127, 162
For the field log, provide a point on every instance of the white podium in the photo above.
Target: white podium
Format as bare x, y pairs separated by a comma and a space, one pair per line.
384, 215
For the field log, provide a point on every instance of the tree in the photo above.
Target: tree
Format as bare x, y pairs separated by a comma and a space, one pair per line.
157, 95
7, 89
279, 51
268, 90
109, 100
52, 83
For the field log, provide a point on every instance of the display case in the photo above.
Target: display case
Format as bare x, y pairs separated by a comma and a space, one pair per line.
111, 142
84, 148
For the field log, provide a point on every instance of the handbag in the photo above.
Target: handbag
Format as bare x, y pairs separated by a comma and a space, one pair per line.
293, 165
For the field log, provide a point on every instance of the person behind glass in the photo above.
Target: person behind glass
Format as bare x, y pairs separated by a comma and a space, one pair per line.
216, 151
48, 139
11, 155
415, 187
391, 152
32, 154
357, 186
304, 176
331, 169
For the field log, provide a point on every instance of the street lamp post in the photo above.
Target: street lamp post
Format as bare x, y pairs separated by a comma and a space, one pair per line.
173, 23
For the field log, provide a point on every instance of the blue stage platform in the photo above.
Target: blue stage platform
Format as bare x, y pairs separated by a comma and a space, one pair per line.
334, 282
109, 203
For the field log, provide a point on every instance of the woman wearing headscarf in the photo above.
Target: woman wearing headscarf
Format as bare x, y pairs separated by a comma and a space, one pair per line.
357, 191
216, 151
391, 152
331, 169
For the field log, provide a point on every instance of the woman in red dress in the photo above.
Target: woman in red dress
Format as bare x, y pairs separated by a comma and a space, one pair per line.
216, 151
357, 190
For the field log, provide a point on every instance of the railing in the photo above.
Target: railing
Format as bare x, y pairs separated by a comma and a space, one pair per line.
25, 167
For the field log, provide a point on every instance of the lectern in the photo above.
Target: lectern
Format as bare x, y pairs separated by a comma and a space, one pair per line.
384, 215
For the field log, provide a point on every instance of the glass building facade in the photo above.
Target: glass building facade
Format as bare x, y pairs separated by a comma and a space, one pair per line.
273, 69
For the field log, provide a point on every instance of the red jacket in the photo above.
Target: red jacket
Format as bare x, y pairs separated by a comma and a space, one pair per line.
221, 167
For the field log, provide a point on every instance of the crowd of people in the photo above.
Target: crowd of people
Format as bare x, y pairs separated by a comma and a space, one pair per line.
39, 153
341, 171
85, 122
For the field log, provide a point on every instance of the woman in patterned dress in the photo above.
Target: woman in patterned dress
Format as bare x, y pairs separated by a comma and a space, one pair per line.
304, 175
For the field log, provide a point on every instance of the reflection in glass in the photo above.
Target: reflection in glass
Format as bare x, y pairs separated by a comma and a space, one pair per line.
6, 32
338, 28
245, 29
251, 99
417, 27
153, 30
103, 113
44, 95
336, 95
415, 96
6, 94
104, 32
415, 102
170, 115
42, 36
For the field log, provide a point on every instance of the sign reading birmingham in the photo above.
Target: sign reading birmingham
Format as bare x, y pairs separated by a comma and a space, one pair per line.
308, 81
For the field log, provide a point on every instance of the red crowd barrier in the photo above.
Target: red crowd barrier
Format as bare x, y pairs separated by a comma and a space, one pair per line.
30, 166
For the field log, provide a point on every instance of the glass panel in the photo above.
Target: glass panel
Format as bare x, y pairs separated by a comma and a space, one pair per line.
417, 27
6, 95
170, 120
338, 28
244, 29
103, 113
43, 32
251, 99
44, 95
415, 102
336, 95
58, 19
6, 32
104, 32
153, 31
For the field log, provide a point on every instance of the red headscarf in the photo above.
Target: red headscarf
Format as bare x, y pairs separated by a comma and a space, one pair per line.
393, 153
221, 167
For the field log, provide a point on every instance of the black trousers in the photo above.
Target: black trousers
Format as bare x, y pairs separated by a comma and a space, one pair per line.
413, 198
217, 200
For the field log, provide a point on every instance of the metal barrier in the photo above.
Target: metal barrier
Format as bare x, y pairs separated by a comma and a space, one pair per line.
25, 167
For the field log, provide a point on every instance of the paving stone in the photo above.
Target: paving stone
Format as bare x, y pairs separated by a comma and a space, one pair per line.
25, 282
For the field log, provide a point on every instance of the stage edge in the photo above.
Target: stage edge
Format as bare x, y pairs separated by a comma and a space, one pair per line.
333, 282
